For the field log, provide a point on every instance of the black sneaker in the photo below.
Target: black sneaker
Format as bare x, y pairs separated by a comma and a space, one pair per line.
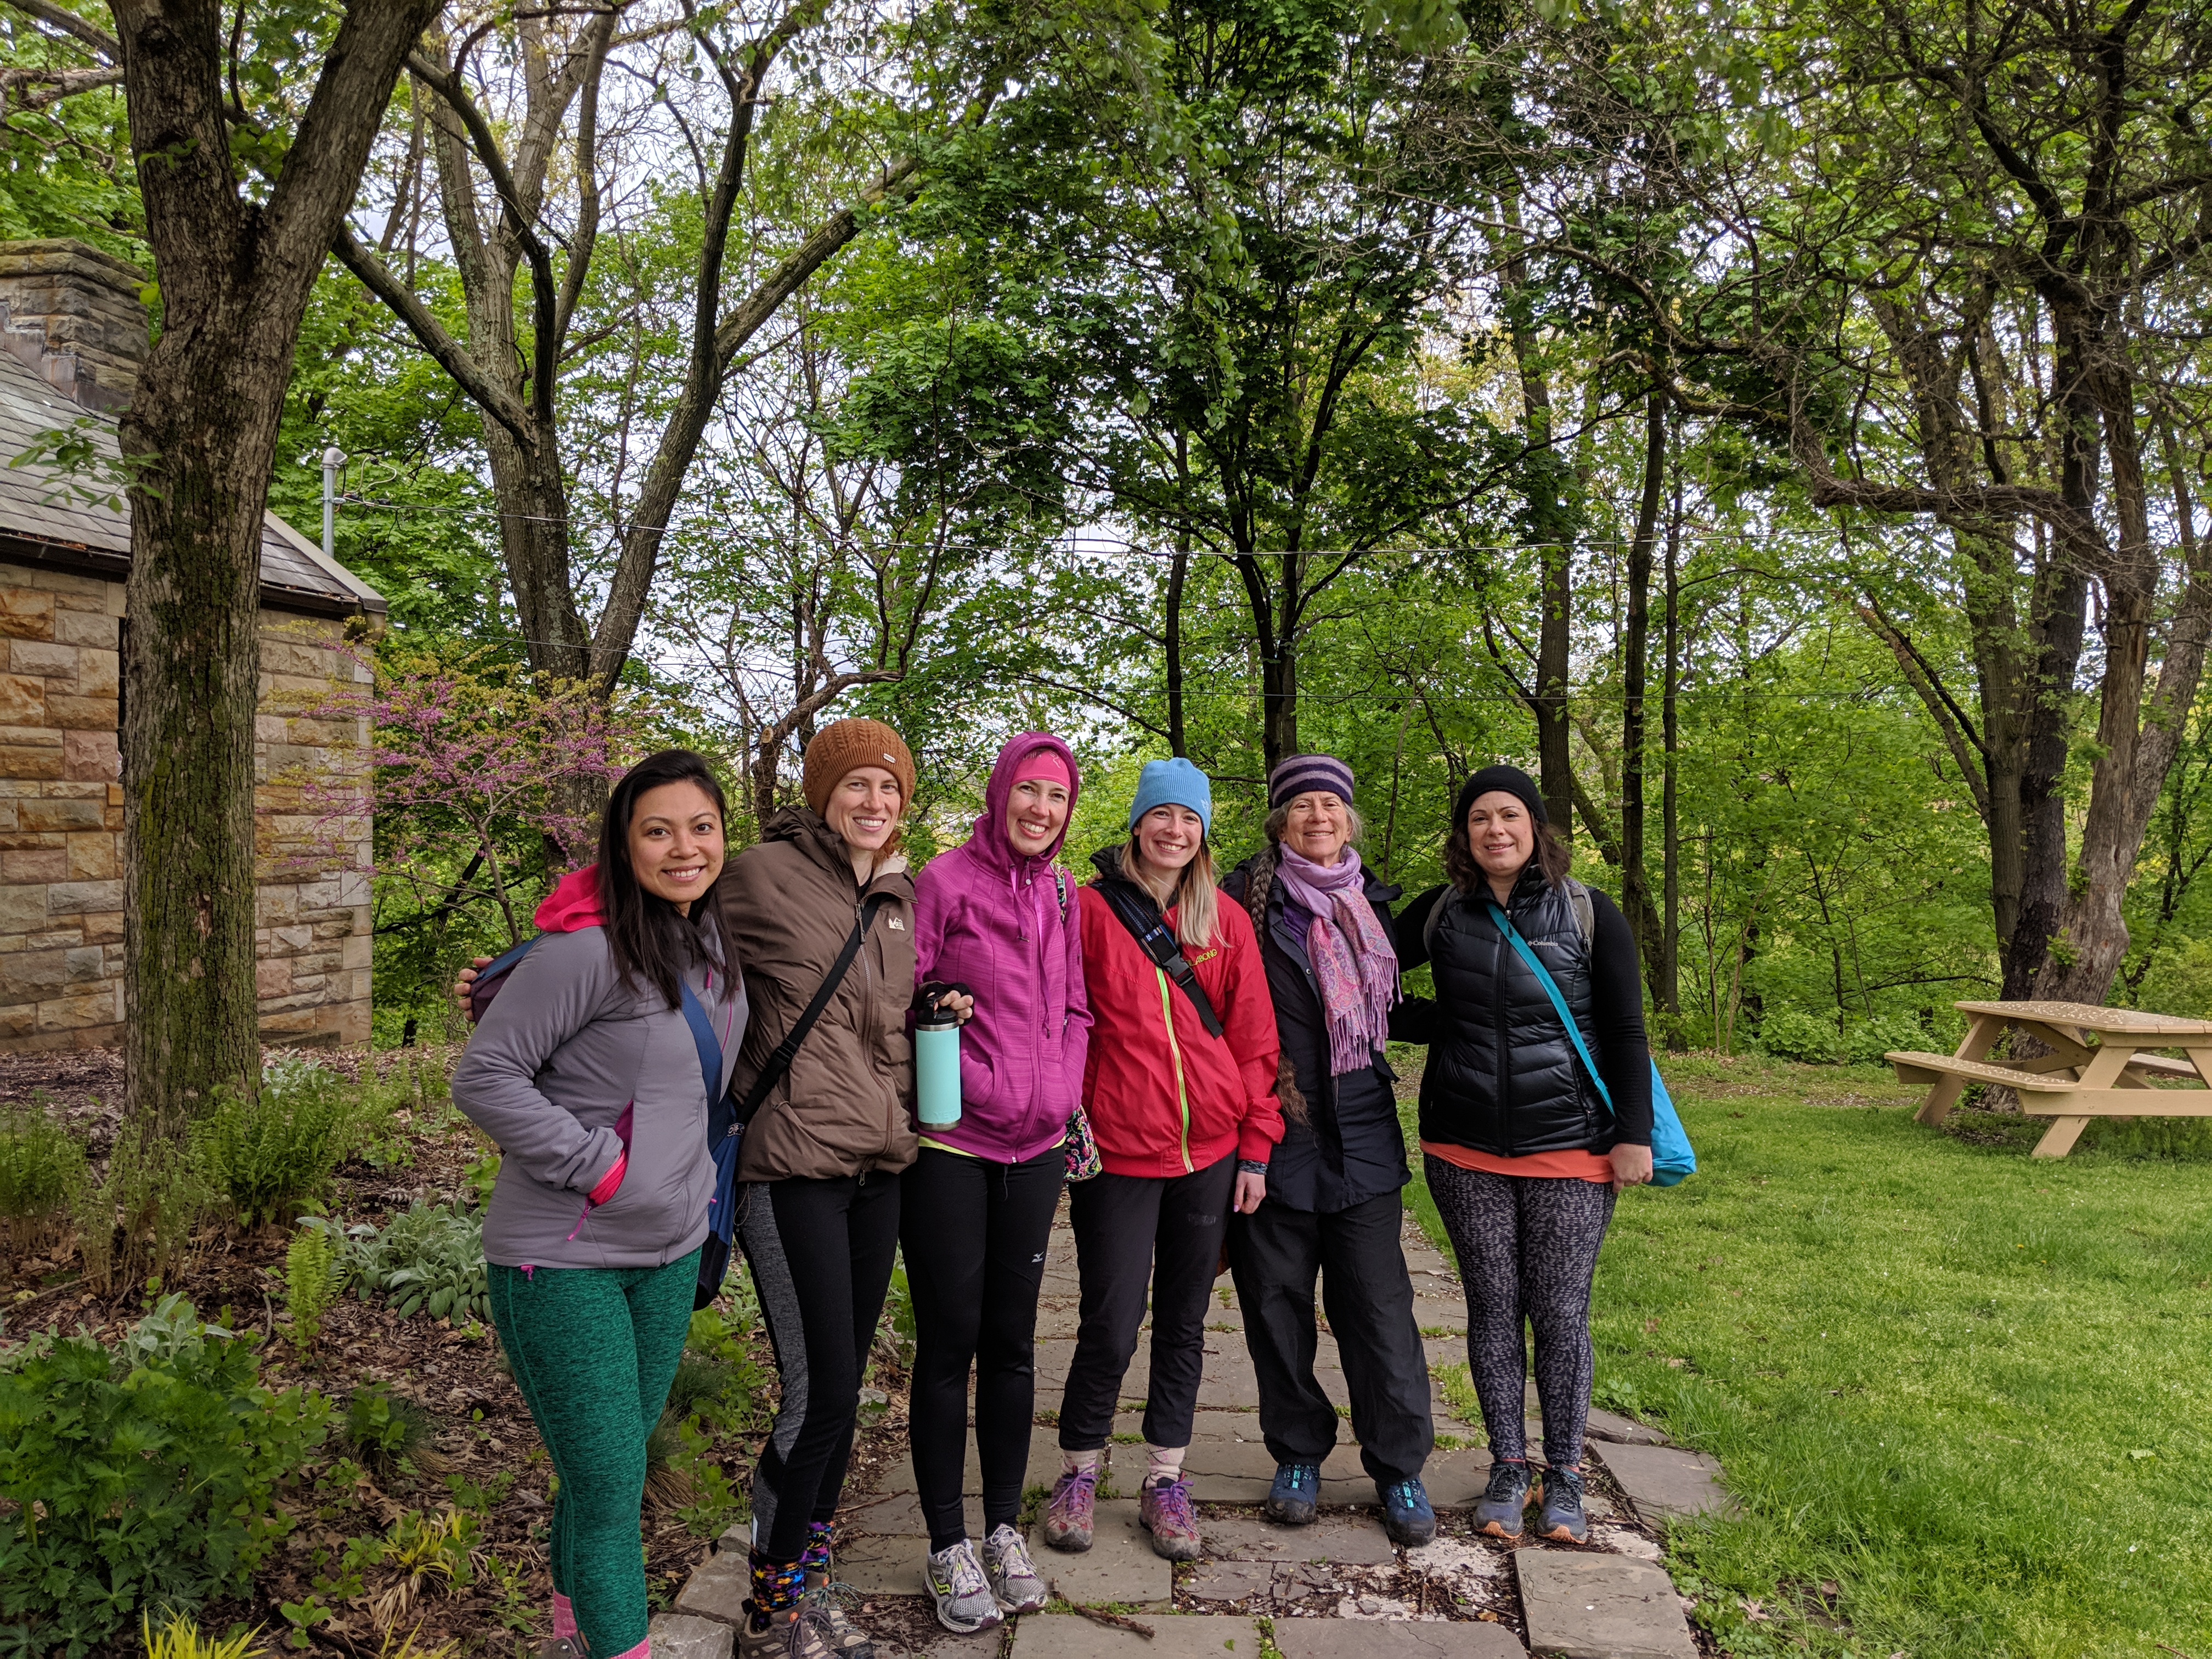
1498, 1513
1560, 1517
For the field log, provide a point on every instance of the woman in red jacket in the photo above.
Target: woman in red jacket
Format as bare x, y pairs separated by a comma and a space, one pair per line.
1179, 1083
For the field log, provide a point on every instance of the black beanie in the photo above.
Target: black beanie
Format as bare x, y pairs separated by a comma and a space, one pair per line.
1512, 779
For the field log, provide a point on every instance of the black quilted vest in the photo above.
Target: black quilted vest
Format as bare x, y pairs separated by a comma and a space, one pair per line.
1502, 1076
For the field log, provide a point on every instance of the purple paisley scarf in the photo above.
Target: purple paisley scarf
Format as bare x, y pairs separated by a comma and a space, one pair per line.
1354, 960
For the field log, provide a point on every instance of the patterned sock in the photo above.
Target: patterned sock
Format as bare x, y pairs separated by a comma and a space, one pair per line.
1076, 1462
778, 1586
816, 1557
564, 1617
1163, 1463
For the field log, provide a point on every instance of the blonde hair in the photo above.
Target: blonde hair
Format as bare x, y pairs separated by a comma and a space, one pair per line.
1194, 895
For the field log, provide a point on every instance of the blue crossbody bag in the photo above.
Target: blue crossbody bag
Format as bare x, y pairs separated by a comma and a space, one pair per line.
1672, 1159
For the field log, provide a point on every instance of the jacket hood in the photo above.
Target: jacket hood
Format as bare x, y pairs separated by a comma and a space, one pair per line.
990, 840
573, 904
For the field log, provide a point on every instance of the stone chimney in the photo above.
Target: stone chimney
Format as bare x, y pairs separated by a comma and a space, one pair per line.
73, 314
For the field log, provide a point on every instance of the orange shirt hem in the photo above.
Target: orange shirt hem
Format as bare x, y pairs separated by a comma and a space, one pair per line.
1578, 1164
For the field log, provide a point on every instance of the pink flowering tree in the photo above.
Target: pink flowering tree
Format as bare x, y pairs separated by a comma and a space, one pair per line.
469, 762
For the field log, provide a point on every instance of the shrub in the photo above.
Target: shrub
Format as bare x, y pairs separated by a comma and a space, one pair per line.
1793, 1034
142, 1213
277, 1150
141, 1478
312, 1280
1865, 1042
386, 1430
42, 1178
428, 1258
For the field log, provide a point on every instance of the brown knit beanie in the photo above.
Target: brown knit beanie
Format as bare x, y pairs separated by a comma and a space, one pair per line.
841, 745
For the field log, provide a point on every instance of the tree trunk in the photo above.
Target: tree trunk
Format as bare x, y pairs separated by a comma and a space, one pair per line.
1666, 991
1635, 884
1178, 739
235, 277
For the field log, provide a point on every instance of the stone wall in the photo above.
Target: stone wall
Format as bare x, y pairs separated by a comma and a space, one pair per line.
61, 824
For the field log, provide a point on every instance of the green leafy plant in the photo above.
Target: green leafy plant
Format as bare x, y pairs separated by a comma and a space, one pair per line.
277, 1151
141, 1477
42, 1175
141, 1215
312, 1279
387, 1431
428, 1258
423, 1552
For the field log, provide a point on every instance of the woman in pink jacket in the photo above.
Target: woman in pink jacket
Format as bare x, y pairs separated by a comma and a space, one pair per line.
997, 918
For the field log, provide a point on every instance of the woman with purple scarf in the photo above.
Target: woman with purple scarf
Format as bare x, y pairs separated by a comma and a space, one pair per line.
1333, 1210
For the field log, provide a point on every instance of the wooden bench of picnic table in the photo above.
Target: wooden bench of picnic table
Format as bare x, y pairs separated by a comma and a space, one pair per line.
2096, 1066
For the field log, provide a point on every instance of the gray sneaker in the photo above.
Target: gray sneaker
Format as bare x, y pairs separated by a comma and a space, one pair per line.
1500, 1510
955, 1577
1013, 1575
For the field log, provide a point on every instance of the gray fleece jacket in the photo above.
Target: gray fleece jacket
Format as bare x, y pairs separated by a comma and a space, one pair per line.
563, 1049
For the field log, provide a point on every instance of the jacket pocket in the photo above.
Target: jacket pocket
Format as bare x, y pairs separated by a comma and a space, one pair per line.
978, 1083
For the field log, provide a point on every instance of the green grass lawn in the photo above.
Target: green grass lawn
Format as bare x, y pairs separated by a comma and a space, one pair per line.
1964, 1389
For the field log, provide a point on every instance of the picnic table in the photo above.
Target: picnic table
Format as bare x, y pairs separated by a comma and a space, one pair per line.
2099, 1065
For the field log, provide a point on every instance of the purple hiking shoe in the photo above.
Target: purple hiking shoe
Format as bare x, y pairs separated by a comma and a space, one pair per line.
1165, 1512
1067, 1516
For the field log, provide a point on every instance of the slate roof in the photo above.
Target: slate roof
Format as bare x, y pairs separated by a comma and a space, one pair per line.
42, 524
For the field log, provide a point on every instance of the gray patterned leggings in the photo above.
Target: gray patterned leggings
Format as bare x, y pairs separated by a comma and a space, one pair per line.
1527, 1247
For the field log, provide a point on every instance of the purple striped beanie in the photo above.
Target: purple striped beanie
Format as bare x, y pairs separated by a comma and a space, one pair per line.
1296, 774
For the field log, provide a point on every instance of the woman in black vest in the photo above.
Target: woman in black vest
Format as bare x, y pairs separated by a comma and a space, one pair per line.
1522, 1154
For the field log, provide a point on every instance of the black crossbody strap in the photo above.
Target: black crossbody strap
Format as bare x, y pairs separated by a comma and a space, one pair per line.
778, 1062
1142, 918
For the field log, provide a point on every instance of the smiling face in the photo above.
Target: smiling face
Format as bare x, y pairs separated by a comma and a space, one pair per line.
1169, 836
1037, 811
1316, 825
674, 842
863, 808
1501, 833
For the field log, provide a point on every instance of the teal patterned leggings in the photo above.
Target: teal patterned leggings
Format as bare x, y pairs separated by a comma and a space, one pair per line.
594, 1350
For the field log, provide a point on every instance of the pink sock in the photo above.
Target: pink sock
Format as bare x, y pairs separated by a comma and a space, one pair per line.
642, 1650
564, 1617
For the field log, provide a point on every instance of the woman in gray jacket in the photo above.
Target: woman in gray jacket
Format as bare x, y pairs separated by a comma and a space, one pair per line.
593, 1070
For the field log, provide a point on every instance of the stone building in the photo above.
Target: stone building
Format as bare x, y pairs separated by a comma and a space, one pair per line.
72, 333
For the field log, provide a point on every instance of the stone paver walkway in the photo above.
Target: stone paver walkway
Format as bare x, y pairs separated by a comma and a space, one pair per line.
1336, 1589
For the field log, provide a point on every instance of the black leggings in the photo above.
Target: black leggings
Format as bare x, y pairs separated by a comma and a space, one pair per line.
1131, 1231
974, 1235
1528, 1249
821, 1254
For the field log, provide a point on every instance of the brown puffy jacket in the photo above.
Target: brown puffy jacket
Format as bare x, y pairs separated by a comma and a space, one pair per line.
789, 905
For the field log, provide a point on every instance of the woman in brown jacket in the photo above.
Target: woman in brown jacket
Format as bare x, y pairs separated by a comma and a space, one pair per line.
820, 1206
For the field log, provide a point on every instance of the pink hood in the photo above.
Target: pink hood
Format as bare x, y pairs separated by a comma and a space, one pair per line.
573, 904
989, 842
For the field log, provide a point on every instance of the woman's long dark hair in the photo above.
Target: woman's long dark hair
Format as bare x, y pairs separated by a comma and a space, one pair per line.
1551, 857
652, 944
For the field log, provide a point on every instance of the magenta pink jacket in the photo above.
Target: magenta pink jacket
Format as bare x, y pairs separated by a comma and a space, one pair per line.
1006, 925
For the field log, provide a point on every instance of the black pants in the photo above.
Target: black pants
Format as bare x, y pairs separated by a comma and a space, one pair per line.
974, 1235
821, 1254
1275, 1254
1528, 1249
1131, 1231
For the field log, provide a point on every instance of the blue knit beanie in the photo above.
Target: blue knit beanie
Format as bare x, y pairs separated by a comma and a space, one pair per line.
1173, 783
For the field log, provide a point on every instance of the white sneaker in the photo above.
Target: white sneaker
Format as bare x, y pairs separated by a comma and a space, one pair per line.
1013, 1575
955, 1577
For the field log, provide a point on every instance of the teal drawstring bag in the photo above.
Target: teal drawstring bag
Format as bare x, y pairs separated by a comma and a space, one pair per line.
1672, 1159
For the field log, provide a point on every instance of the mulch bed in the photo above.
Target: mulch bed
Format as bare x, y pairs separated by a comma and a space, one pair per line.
450, 1370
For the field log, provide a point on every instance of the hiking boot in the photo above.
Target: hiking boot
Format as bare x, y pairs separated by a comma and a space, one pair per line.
1067, 1516
1164, 1511
1014, 1576
1560, 1516
1406, 1515
1498, 1511
798, 1633
831, 1599
954, 1578
1290, 1500
558, 1647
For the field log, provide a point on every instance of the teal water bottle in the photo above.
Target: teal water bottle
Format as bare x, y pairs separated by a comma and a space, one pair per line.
937, 1067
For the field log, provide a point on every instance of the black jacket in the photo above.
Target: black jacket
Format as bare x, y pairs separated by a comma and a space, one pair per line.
1503, 1077
1352, 1150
